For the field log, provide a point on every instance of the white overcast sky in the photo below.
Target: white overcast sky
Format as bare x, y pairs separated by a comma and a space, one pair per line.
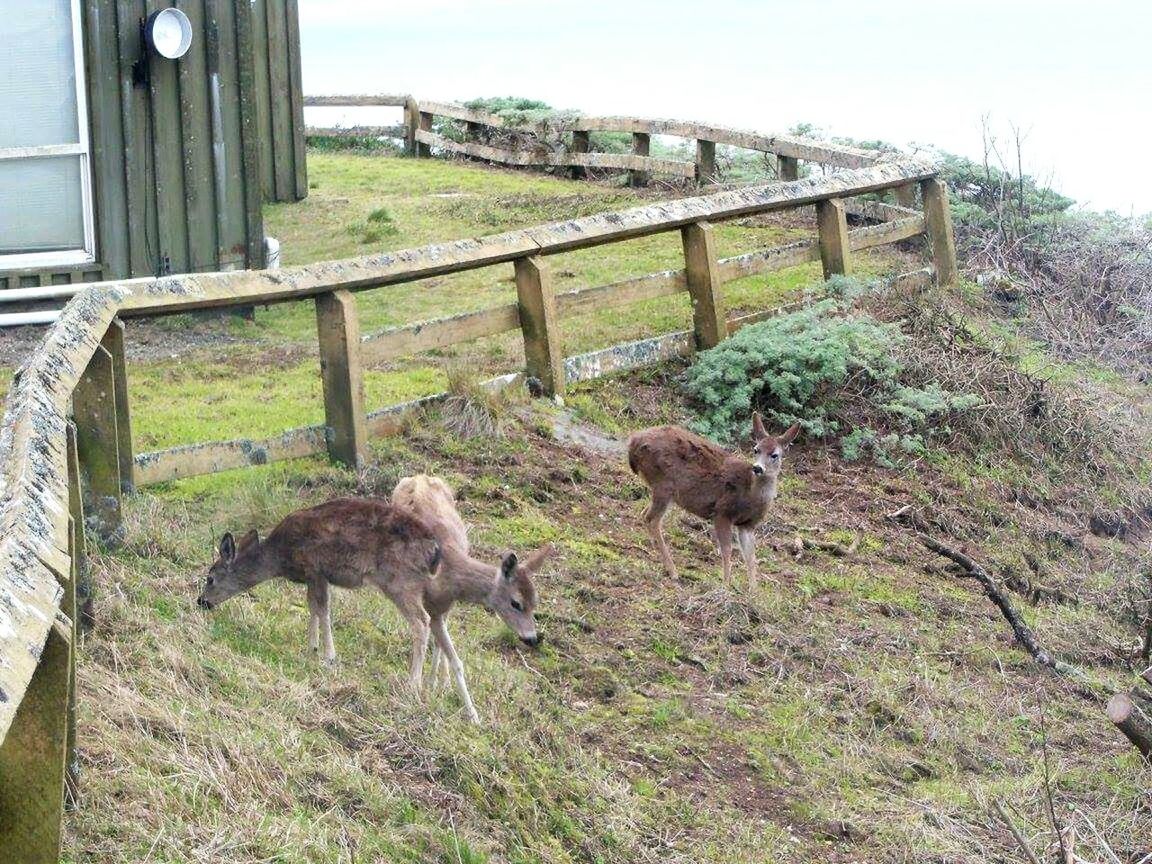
1074, 76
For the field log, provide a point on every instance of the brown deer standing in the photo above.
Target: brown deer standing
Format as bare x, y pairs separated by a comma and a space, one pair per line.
344, 542
506, 589
709, 482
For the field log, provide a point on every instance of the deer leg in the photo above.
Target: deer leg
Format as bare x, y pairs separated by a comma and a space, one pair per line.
747, 538
417, 619
437, 663
313, 619
724, 540
439, 666
326, 625
654, 522
445, 642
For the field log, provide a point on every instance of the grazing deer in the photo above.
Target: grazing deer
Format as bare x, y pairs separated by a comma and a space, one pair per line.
506, 589
709, 482
344, 542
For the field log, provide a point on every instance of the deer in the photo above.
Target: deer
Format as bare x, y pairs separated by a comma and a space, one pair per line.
507, 588
346, 542
706, 480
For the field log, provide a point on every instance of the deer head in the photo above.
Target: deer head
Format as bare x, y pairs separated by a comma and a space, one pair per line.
513, 596
238, 567
768, 451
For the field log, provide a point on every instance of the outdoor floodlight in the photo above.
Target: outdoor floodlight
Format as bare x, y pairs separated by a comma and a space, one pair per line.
168, 32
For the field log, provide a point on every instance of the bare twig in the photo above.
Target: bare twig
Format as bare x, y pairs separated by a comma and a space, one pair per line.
1016, 835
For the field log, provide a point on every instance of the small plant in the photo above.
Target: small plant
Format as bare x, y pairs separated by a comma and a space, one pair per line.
472, 410
380, 216
837, 373
374, 228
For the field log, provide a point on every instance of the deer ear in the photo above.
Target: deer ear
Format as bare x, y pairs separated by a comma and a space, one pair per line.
508, 565
227, 547
788, 437
536, 560
758, 430
248, 539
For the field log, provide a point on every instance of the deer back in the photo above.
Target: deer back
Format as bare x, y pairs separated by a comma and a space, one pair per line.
432, 500
349, 540
694, 471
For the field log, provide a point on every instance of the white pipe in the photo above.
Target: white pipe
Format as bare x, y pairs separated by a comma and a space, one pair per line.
19, 319
47, 292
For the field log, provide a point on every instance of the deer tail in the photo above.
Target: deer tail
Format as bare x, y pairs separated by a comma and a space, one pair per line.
633, 451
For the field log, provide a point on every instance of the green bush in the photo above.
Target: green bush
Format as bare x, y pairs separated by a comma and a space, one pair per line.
839, 373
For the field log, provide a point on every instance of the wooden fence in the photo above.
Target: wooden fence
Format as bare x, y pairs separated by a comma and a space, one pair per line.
66, 443
537, 146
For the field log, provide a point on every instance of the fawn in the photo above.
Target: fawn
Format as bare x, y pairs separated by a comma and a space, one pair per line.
506, 589
709, 482
344, 542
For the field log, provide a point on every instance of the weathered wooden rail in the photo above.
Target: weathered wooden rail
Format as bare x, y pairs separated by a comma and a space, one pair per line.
538, 148
66, 444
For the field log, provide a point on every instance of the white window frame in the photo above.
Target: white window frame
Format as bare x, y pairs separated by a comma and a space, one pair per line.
65, 257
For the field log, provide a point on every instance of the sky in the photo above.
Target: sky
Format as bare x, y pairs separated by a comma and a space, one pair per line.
1074, 78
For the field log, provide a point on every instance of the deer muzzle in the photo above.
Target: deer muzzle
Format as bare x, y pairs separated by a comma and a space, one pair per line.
202, 603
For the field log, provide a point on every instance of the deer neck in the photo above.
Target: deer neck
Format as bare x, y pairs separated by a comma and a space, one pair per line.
462, 578
763, 488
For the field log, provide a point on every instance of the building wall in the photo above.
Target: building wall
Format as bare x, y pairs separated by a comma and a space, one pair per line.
183, 156
280, 99
175, 151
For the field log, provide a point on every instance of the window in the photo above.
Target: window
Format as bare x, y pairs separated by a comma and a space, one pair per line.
45, 186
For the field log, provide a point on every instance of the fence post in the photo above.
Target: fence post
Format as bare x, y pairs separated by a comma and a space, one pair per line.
641, 146
338, 329
703, 270
906, 195
938, 221
113, 343
471, 131
543, 350
32, 759
705, 161
833, 226
580, 144
787, 168
411, 122
97, 444
425, 122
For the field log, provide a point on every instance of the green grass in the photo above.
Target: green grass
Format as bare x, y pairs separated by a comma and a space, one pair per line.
863, 696
866, 707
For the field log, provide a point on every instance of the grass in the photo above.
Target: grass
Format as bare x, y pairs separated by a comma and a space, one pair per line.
851, 709
867, 707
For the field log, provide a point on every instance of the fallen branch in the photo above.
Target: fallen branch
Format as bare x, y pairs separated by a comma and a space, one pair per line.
832, 547
1016, 835
1126, 715
972, 570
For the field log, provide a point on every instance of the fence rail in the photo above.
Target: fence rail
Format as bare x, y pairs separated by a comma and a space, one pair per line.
66, 445
538, 146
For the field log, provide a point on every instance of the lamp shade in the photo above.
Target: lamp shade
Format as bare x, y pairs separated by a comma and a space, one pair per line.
169, 33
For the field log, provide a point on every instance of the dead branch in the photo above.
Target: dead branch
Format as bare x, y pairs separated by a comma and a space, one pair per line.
972, 570
1136, 725
1016, 835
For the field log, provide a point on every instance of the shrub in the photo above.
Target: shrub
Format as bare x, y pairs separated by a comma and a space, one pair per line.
838, 373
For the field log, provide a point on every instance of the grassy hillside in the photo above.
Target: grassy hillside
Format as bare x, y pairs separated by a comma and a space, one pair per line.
867, 706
